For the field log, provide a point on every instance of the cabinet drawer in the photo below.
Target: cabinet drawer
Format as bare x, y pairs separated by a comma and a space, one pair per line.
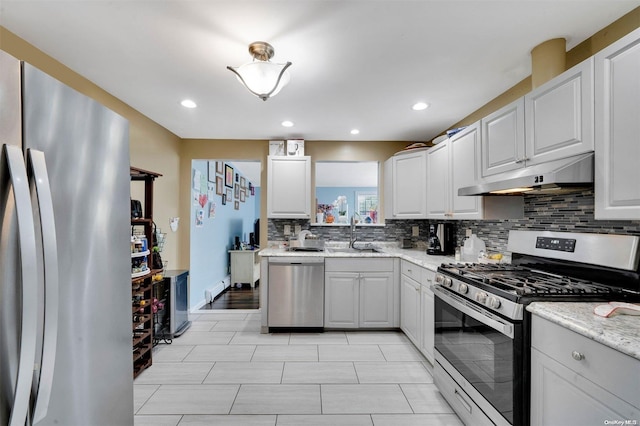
412, 270
358, 265
612, 370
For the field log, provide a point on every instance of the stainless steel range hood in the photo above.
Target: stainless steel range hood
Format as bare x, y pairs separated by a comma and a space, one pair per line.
559, 176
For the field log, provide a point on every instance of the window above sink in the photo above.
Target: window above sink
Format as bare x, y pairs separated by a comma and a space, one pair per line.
345, 188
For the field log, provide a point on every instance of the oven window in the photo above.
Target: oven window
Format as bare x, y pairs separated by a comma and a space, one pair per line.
483, 356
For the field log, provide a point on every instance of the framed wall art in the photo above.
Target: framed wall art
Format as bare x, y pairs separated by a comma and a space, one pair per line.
243, 182
211, 171
219, 185
236, 205
228, 176
219, 167
243, 195
229, 195
236, 191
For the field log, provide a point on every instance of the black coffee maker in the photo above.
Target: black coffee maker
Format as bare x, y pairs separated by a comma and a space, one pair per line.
433, 243
446, 234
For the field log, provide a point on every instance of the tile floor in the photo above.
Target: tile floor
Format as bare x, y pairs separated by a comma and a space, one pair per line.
222, 371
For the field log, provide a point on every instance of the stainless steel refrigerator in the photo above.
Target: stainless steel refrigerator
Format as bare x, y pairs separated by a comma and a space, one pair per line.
65, 295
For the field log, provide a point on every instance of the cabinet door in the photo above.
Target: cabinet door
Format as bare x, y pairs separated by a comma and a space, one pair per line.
409, 186
559, 116
503, 139
560, 396
427, 315
410, 308
341, 300
617, 129
376, 300
289, 187
438, 188
464, 170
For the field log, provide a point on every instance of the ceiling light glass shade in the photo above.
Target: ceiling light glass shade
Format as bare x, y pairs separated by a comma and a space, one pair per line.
261, 77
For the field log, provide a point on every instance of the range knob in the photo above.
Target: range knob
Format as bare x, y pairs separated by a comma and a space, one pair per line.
448, 282
493, 303
463, 288
481, 297
439, 278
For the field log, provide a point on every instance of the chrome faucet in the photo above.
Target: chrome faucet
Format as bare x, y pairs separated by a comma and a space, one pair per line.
352, 233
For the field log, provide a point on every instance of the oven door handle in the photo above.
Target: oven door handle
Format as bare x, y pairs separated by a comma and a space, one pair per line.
475, 312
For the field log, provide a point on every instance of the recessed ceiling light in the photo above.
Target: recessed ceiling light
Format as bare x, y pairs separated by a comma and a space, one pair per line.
188, 103
355, 131
419, 106
287, 123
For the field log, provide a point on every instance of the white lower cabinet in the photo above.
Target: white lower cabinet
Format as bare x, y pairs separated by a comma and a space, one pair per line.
360, 293
427, 314
410, 308
341, 299
416, 307
578, 381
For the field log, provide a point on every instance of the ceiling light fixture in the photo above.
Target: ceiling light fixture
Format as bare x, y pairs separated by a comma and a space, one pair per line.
287, 123
355, 131
261, 77
188, 103
419, 106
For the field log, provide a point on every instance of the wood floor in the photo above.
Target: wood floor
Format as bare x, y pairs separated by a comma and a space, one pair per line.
233, 297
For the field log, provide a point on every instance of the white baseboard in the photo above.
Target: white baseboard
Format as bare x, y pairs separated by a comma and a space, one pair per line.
211, 292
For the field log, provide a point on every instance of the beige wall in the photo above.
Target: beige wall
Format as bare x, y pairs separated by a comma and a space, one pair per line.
152, 147
205, 149
584, 50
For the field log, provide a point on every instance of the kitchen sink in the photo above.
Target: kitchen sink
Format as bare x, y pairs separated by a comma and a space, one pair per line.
353, 250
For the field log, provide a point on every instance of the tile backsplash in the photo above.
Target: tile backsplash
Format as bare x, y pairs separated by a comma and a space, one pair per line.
567, 212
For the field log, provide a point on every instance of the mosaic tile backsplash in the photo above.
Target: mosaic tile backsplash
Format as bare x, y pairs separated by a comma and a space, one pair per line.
568, 212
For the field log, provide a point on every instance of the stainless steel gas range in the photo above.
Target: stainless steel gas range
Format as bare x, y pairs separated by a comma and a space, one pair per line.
482, 329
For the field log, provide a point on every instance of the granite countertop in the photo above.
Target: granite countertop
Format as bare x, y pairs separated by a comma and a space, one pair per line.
417, 256
620, 332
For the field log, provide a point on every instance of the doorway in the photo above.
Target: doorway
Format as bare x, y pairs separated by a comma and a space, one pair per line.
225, 221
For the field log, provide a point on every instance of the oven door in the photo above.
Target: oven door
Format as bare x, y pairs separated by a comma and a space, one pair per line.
483, 348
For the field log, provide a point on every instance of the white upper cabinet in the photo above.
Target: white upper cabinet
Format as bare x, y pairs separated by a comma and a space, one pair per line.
559, 116
617, 129
289, 187
503, 139
453, 164
551, 122
408, 186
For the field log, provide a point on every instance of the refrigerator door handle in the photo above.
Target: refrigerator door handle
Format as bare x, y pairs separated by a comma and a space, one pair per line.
13, 161
37, 168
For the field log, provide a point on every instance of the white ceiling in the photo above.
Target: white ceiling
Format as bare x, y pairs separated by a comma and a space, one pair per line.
356, 63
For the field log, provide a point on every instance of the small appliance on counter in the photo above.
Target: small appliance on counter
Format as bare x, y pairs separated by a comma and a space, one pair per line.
433, 243
441, 239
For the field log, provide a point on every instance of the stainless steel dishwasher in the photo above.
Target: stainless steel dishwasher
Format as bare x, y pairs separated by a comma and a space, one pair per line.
296, 292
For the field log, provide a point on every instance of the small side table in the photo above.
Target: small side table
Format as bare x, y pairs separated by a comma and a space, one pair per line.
245, 267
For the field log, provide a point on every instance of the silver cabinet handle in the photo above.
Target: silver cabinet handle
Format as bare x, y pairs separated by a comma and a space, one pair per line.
577, 356
40, 178
13, 172
464, 403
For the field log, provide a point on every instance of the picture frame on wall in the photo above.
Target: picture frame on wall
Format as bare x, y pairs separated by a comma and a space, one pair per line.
211, 171
228, 176
236, 205
219, 167
243, 182
253, 190
219, 185
243, 195
229, 195
224, 199
236, 191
